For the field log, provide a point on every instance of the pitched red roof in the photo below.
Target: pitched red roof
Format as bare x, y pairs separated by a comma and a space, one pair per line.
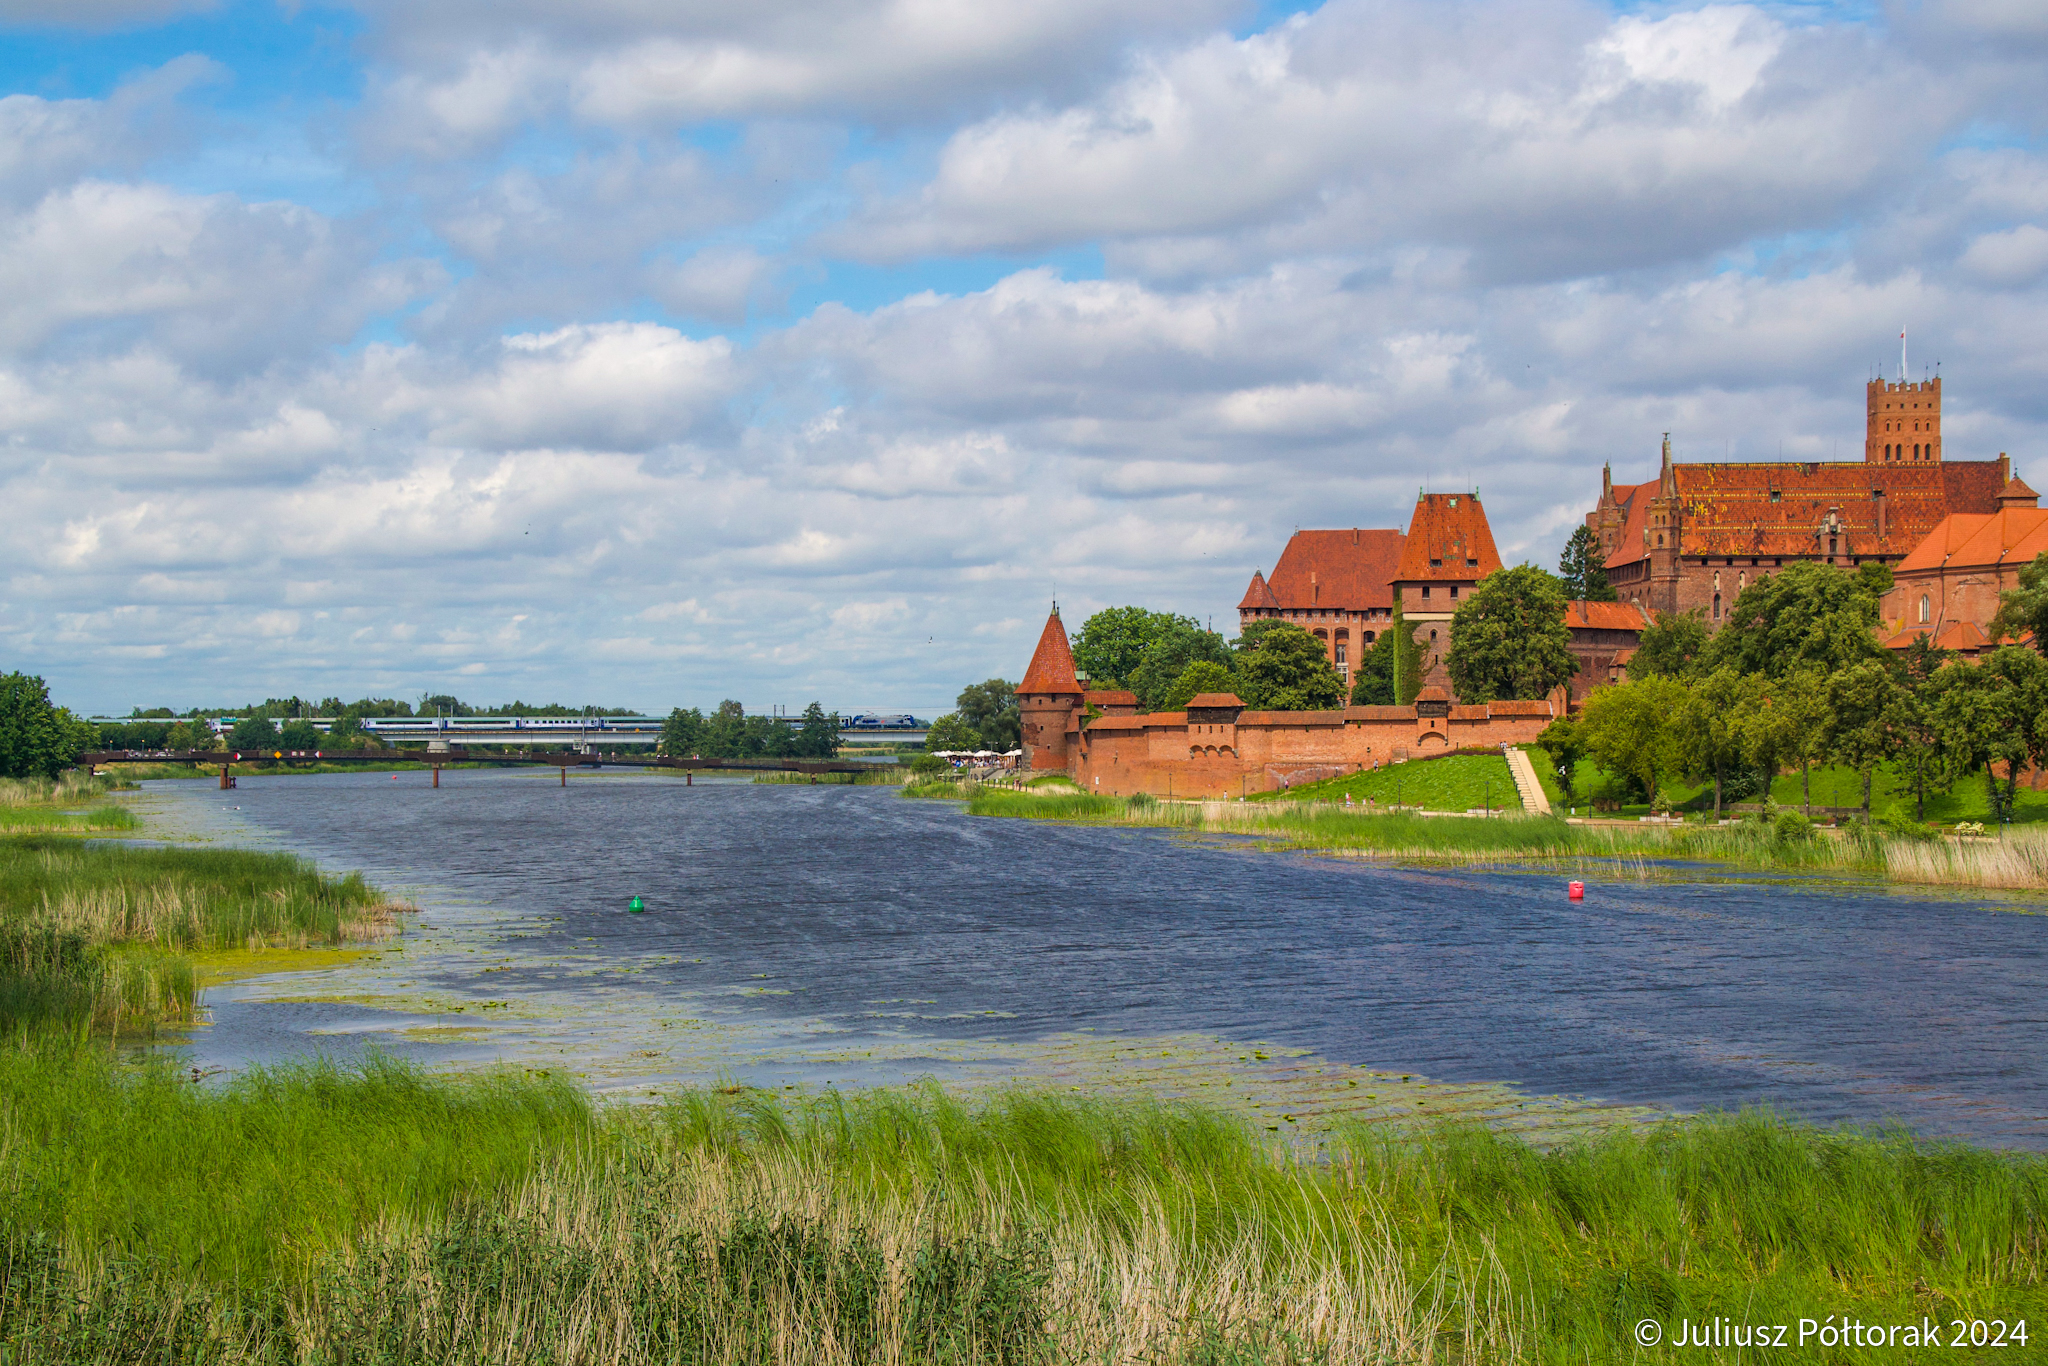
1257, 595
1507, 708
2009, 537
2017, 494
1728, 509
1052, 663
1108, 697
1606, 616
1333, 570
1448, 538
1634, 502
1214, 699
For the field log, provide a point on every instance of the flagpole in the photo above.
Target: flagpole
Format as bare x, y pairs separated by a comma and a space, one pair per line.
1902, 355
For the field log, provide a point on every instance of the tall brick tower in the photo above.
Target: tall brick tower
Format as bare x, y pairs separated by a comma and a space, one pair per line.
1049, 700
1903, 425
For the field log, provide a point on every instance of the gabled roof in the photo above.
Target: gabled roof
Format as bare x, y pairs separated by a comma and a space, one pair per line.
2017, 494
1606, 616
1634, 501
1211, 700
1333, 570
1052, 663
2010, 537
1257, 595
1960, 636
1448, 538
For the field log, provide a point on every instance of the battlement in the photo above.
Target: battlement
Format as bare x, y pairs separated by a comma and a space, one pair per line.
1902, 422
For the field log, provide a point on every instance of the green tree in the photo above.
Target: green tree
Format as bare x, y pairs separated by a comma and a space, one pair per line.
1580, 568
1709, 725
37, 738
682, 734
1632, 728
818, 736
1805, 614
1176, 643
951, 734
1204, 675
254, 733
2022, 679
299, 733
1508, 639
1670, 647
1409, 665
725, 732
1372, 682
1287, 671
1112, 643
2025, 609
991, 709
1797, 727
1866, 719
1565, 742
192, 734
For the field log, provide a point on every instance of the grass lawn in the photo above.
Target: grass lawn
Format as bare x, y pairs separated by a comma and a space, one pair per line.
1462, 782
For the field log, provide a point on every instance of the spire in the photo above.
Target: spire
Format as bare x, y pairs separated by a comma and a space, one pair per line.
1666, 484
1607, 482
1052, 663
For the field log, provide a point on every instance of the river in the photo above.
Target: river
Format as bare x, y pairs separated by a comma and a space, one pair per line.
797, 936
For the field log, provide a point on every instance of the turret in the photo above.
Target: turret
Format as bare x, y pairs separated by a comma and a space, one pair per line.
1049, 700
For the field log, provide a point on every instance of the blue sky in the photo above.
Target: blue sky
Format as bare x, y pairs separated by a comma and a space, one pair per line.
671, 352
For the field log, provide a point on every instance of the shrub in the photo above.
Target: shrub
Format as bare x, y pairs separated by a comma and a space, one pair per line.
1792, 827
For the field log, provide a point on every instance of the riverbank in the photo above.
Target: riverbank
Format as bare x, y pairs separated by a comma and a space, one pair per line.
503, 1217
2018, 861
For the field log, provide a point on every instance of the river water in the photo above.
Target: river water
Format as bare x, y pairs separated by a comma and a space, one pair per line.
797, 936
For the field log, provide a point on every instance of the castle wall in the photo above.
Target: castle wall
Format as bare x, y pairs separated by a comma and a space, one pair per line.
1164, 755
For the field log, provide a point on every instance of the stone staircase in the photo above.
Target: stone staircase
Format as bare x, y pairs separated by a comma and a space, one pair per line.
1533, 800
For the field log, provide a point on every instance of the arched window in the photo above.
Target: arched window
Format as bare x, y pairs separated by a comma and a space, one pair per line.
1923, 609
1717, 607
1831, 545
1369, 636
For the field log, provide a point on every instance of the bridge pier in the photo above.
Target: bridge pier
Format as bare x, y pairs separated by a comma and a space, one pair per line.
227, 779
437, 775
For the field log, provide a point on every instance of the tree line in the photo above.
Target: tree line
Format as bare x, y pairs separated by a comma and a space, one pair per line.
730, 733
1796, 677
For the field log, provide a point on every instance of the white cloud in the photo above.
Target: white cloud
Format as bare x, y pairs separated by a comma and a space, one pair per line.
2016, 256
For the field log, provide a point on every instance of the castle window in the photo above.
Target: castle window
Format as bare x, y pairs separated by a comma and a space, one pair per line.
1717, 607
1425, 590
1454, 592
1774, 495
1831, 545
1340, 655
1923, 609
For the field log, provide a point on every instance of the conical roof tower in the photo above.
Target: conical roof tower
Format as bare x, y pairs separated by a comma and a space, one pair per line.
1052, 663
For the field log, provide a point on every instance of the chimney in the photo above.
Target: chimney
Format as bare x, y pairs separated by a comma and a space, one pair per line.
1877, 497
2004, 469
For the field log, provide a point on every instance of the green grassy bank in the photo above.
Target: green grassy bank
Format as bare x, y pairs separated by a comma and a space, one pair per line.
2018, 861
314, 1214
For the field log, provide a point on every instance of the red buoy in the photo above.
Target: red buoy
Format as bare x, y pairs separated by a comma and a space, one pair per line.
1577, 891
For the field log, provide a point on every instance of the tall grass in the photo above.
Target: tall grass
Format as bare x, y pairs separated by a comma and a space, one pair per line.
91, 934
2018, 859
371, 1215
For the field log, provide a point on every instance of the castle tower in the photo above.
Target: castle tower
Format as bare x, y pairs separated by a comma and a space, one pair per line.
1049, 700
1903, 424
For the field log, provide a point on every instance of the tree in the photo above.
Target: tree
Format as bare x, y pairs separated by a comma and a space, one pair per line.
2025, 608
1805, 614
1287, 671
951, 734
818, 736
1409, 664
1709, 725
1670, 647
1795, 731
1509, 640
1372, 682
254, 733
1112, 643
299, 734
682, 734
1204, 675
192, 734
1866, 717
1631, 728
2022, 678
1565, 742
1177, 643
991, 709
37, 738
725, 732
1580, 569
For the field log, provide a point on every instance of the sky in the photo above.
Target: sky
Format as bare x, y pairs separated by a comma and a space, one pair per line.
654, 352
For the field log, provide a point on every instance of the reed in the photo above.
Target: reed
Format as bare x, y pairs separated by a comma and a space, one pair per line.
374, 1215
2015, 860
93, 935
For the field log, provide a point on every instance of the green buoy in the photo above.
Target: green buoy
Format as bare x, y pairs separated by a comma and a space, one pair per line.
636, 905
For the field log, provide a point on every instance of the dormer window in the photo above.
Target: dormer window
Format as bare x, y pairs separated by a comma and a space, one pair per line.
1436, 564
1775, 495
1471, 564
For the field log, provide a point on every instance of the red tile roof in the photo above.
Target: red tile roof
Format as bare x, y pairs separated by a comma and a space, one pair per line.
1728, 510
2018, 492
1606, 616
1448, 538
1291, 718
1258, 594
1629, 543
1961, 636
1214, 699
2010, 537
1505, 708
1347, 571
1052, 663
1105, 697
1379, 713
